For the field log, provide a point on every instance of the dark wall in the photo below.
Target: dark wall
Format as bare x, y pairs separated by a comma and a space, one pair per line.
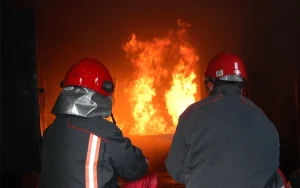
20, 126
274, 73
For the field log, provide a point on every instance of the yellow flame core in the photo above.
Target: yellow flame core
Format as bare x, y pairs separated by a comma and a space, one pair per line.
148, 58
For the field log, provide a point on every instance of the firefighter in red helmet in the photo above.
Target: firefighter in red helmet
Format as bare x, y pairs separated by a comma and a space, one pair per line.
225, 140
81, 149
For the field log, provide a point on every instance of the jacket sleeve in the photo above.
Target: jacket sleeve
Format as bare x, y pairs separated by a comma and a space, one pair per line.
128, 161
176, 159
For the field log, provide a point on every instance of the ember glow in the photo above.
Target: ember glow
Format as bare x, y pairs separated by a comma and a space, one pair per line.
149, 58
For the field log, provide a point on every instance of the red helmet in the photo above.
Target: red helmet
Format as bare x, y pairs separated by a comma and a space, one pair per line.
91, 74
226, 67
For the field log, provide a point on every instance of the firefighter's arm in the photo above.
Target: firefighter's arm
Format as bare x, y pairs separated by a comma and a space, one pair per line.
176, 160
127, 160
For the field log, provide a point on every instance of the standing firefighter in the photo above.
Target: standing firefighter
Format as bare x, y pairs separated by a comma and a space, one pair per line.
81, 149
225, 140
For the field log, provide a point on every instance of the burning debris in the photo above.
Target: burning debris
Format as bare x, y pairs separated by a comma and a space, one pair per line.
149, 58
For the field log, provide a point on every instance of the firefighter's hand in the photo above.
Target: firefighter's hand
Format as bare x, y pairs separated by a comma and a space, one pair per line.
147, 161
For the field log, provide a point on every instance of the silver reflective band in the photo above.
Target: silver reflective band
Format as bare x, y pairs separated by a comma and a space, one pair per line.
232, 78
82, 102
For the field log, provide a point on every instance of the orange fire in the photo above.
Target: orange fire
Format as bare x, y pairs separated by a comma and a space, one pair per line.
148, 57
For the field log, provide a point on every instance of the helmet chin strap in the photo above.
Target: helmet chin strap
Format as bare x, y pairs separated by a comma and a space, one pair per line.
113, 118
62, 84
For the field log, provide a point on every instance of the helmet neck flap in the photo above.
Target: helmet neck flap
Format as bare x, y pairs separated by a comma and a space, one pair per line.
82, 102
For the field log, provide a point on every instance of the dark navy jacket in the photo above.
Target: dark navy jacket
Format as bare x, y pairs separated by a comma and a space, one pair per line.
224, 141
88, 153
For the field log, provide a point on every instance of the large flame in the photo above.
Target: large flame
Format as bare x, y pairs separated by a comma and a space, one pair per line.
183, 89
148, 57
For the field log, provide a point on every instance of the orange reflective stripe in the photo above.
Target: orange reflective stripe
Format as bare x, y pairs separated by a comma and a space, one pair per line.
95, 166
91, 176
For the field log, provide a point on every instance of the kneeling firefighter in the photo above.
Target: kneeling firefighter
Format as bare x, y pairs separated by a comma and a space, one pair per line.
225, 140
81, 149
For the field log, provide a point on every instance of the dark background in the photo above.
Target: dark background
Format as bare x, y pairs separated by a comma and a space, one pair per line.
264, 33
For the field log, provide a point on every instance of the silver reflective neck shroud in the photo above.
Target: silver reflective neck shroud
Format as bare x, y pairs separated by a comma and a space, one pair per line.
82, 102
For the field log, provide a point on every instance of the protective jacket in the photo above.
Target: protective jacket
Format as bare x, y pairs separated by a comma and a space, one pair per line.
224, 141
81, 152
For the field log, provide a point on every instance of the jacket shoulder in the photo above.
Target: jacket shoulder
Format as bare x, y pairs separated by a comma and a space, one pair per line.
251, 103
201, 103
248, 101
96, 125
